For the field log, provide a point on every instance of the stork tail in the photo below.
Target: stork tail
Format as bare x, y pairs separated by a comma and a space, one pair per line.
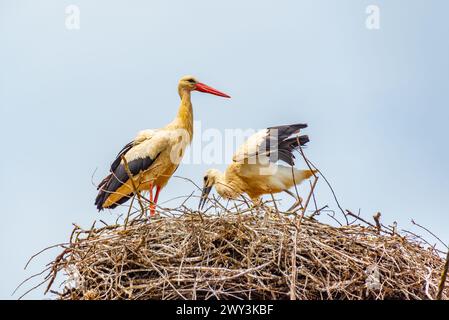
301, 175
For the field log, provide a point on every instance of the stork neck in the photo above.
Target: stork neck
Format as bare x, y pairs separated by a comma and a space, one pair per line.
185, 112
226, 187
220, 178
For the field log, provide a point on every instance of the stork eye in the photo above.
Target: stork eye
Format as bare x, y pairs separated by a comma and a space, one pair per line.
191, 80
205, 178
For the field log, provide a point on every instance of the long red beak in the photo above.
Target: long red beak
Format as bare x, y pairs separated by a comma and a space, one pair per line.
205, 88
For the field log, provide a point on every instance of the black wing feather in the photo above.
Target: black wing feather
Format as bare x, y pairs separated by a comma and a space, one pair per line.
122, 152
285, 131
119, 176
281, 141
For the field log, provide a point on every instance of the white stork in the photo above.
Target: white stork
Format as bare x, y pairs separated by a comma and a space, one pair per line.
254, 170
153, 156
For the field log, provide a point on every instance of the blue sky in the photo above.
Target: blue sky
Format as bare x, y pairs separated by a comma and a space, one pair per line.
376, 102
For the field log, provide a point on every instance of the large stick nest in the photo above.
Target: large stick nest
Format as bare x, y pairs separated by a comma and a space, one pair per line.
257, 254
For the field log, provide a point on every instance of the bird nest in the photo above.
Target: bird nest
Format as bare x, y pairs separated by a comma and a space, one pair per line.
247, 254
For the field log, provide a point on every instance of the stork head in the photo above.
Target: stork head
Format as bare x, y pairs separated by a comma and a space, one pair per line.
210, 178
190, 83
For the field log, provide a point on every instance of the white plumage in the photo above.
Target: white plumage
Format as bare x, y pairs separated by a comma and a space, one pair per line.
255, 171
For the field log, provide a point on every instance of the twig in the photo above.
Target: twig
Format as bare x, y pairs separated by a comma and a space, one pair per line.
332, 190
318, 211
430, 232
376, 218
310, 194
443, 278
357, 217
130, 176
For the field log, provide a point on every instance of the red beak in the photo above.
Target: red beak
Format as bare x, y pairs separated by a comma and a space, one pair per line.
205, 88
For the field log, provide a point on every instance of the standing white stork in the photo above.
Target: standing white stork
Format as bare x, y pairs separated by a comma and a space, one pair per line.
154, 155
254, 170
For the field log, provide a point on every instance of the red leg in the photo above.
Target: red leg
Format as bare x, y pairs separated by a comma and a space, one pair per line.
151, 193
153, 206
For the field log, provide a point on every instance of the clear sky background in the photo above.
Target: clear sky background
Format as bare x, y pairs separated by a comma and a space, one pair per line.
376, 102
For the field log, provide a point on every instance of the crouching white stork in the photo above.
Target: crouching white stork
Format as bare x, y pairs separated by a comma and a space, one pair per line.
254, 170
153, 156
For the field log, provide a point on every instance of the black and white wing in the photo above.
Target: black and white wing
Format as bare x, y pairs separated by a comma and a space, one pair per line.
140, 155
272, 144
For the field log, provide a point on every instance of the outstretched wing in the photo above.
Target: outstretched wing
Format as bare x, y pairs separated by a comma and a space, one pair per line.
272, 144
140, 154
